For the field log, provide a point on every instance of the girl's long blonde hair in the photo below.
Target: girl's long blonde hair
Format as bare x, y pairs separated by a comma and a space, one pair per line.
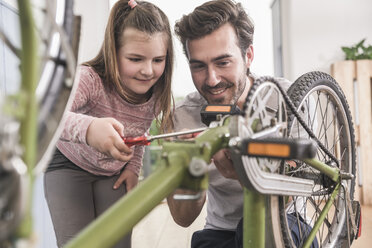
148, 18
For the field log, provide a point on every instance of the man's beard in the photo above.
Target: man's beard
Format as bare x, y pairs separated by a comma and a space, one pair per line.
240, 89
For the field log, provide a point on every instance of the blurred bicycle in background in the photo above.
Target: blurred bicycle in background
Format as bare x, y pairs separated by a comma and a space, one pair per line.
38, 70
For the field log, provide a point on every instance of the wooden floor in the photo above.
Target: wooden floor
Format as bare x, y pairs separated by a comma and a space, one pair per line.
158, 230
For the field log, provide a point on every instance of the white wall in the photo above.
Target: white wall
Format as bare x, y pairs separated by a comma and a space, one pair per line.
12, 3
314, 32
95, 13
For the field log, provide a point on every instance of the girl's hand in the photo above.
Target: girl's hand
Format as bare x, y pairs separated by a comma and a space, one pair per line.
105, 134
130, 179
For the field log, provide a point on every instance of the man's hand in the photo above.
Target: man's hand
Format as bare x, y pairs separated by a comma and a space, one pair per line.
130, 179
223, 163
184, 212
105, 134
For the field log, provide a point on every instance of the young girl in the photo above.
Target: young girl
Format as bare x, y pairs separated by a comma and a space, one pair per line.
119, 94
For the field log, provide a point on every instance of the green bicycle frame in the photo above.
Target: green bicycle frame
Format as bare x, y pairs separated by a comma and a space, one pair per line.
172, 173
334, 174
28, 103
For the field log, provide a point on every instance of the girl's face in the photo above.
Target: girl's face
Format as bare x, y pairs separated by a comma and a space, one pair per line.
141, 59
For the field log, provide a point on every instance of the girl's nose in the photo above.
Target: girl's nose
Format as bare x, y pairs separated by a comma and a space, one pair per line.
146, 69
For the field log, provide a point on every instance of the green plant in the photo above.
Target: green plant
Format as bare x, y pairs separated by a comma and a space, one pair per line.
358, 51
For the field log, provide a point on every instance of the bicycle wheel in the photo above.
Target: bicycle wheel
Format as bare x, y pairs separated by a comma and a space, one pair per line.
55, 27
322, 105
59, 32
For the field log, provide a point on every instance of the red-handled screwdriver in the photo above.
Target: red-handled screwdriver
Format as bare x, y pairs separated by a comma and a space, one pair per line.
145, 140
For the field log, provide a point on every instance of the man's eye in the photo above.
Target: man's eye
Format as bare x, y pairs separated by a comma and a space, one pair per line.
223, 63
196, 67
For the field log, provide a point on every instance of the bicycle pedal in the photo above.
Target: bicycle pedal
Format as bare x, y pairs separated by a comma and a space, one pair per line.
212, 112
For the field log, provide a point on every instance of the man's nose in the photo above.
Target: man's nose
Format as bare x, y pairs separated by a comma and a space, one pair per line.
213, 79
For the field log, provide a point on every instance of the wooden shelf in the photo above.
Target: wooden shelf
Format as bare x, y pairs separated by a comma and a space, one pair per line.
355, 79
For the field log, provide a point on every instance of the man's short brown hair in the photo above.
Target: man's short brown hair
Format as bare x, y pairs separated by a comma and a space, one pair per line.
210, 16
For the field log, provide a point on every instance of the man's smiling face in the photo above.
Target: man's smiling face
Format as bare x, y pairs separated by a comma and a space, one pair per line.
217, 66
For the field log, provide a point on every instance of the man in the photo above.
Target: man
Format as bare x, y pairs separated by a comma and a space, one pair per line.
217, 41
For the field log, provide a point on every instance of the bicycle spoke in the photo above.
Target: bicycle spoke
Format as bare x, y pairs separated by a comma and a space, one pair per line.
318, 210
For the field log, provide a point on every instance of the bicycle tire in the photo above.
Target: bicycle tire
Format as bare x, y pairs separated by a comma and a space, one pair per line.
323, 106
52, 103
54, 98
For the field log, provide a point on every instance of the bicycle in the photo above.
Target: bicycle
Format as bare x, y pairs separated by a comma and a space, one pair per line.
318, 192
31, 113
325, 184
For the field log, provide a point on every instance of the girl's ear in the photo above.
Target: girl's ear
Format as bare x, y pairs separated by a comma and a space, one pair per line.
249, 55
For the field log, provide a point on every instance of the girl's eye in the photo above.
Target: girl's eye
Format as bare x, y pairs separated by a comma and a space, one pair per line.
159, 60
134, 59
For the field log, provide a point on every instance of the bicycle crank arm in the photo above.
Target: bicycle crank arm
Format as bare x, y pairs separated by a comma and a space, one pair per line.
270, 132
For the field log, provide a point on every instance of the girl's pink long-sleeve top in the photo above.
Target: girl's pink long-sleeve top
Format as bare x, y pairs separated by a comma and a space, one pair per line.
92, 101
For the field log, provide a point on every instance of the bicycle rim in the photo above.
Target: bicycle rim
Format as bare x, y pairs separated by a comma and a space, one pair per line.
322, 105
58, 32
53, 23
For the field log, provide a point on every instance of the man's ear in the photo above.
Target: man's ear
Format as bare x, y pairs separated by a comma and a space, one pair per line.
249, 55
